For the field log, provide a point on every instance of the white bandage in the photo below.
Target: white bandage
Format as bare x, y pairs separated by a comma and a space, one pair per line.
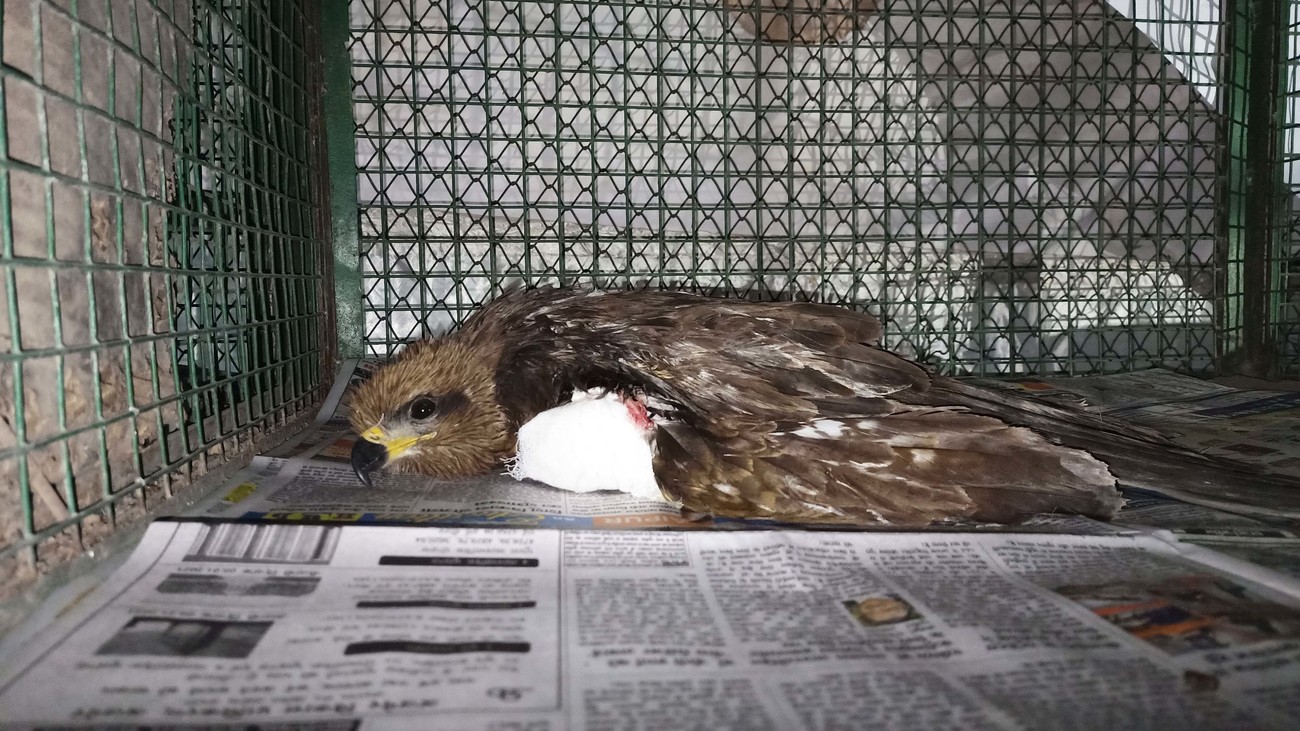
592, 443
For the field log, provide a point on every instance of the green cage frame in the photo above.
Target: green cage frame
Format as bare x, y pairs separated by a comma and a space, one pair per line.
166, 306
191, 233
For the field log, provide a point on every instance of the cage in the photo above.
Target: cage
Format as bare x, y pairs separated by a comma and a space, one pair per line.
206, 202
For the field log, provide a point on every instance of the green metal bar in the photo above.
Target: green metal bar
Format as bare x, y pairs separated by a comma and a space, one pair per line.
339, 131
1257, 34
1287, 315
154, 178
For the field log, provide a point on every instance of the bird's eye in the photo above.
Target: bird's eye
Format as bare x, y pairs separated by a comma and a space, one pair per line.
423, 408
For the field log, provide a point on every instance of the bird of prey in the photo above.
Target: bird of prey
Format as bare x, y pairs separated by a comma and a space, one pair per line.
787, 411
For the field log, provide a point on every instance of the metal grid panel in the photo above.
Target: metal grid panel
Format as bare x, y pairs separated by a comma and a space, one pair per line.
160, 269
1015, 186
1259, 311
1286, 265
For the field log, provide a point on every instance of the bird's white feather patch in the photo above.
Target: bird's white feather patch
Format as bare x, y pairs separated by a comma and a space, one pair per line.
923, 456
797, 486
879, 518
823, 509
822, 429
592, 443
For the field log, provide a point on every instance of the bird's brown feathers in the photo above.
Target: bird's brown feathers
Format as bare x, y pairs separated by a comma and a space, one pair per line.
782, 410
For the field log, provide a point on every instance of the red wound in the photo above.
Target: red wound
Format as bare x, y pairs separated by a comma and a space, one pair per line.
639, 415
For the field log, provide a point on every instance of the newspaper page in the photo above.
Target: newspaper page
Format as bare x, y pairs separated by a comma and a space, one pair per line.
1247, 424
311, 607
378, 627
323, 491
1273, 544
1250, 425
309, 479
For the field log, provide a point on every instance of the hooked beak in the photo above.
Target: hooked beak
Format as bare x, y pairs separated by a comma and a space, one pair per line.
375, 449
367, 457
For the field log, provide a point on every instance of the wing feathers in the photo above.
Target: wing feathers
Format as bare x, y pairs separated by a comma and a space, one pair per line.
902, 470
788, 410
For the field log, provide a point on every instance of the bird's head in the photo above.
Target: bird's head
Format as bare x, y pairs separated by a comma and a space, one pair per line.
432, 410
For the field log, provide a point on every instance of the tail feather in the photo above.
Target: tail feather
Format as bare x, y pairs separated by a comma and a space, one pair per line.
1137, 456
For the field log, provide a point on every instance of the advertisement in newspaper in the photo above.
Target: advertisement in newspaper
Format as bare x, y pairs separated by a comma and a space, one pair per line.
495, 628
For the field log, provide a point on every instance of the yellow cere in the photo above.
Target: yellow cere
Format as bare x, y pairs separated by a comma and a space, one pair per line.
396, 446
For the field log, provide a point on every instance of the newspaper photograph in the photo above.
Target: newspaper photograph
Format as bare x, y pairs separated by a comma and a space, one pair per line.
498, 628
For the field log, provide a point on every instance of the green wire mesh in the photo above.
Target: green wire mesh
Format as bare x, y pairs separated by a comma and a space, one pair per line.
160, 276
1285, 294
1258, 311
1014, 186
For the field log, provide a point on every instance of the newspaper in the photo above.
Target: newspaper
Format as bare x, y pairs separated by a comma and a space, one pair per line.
309, 478
1253, 425
379, 627
297, 598
1270, 544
